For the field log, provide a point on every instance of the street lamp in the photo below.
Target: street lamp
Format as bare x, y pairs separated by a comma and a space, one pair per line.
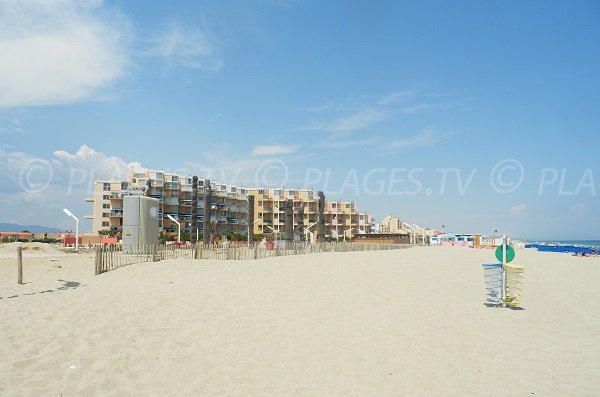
494, 231
253, 223
336, 234
307, 229
274, 231
178, 227
69, 213
422, 233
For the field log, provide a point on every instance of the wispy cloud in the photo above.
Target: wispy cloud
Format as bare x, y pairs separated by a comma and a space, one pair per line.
188, 46
59, 51
398, 96
361, 120
10, 126
272, 150
348, 143
223, 164
425, 138
326, 107
518, 210
422, 107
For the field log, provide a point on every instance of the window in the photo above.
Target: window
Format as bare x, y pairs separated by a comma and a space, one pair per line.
334, 216
333, 205
261, 191
105, 197
106, 187
260, 203
104, 224
105, 215
347, 205
105, 206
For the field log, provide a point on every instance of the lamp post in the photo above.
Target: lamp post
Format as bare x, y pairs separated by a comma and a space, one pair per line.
422, 233
276, 232
178, 227
253, 223
69, 213
307, 230
336, 234
493, 242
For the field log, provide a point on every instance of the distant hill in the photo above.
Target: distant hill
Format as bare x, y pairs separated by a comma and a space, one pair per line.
13, 227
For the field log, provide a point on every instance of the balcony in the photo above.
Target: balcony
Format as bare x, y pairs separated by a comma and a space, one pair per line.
171, 200
186, 188
171, 185
89, 199
186, 203
118, 213
157, 183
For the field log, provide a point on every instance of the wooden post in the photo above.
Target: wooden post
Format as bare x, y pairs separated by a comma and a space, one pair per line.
20, 265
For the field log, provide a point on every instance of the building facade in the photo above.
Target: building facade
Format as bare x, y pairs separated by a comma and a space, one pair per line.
229, 207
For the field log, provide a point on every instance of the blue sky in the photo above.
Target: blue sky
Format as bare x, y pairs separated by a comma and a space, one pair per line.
474, 115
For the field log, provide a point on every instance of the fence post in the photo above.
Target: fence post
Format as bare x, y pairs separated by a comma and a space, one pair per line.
98, 260
19, 265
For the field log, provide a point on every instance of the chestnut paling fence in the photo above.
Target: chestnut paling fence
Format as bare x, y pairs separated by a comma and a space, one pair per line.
110, 257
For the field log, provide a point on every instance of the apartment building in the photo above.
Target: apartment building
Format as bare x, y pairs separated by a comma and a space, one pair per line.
229, 203
341, 217
107, 205
270, 204
229, 206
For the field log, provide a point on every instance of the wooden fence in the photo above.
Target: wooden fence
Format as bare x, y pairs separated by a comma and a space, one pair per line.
110, 257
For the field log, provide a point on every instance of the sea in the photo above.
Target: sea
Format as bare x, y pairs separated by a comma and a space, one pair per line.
572, 246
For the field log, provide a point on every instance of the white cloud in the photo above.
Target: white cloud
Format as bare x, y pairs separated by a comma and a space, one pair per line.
96, 164
361, 120
10, 126
422, 107
272, 150
192, 47
397, 96
59, 51
518, 210
35, 189
425, 138
329, 106
347, 143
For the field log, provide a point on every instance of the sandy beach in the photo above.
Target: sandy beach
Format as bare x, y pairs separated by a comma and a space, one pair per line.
388, 323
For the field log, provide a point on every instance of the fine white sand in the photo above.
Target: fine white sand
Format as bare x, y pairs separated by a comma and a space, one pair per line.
389, 323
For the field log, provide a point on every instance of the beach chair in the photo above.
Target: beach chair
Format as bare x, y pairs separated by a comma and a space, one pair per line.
514, 285
493, 280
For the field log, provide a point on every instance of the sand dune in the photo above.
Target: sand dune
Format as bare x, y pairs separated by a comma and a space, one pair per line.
40, 250
387, 323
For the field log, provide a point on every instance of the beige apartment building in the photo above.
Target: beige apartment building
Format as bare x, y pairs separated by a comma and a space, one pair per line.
229, 206
342, 218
